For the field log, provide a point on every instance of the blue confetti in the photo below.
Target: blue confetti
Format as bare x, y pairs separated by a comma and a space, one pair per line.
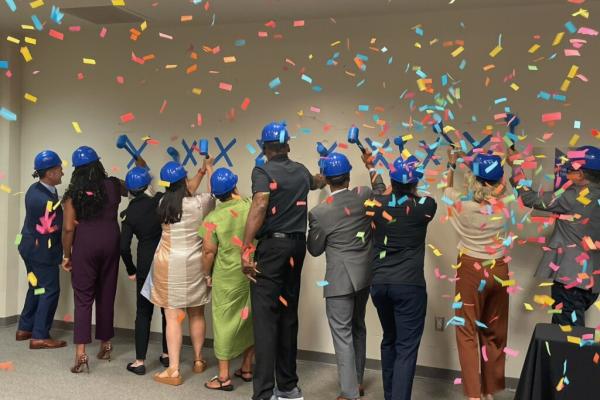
322, 283
240, 42
36, 22
11, 4
570, 27
481, 285
3, 64
7, 114
274, 83
363, 107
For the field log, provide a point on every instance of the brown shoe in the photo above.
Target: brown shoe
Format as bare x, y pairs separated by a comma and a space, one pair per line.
22, 335
36, 344
199, 366
169, 379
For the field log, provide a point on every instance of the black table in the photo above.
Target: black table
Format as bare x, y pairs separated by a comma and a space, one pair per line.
542, 372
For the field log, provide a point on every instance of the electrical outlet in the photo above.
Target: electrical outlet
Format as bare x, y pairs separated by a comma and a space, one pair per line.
440, 323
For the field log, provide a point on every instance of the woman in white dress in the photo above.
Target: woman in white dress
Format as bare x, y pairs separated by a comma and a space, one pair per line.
177, 282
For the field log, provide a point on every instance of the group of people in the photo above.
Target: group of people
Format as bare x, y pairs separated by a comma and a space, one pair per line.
245, 256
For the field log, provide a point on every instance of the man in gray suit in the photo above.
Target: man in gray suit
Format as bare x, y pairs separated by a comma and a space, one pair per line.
572, 257
340, 228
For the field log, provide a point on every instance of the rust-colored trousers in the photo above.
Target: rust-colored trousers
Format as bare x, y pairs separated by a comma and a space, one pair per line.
477, 344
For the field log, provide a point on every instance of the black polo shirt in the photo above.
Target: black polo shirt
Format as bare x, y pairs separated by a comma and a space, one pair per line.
288, 183
140, 219
399, 237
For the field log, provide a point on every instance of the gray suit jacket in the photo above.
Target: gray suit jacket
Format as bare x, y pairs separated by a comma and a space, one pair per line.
565, 247
342, 230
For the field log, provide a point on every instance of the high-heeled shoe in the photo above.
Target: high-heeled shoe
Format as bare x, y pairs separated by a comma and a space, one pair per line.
105, 352
82, 361
169, 379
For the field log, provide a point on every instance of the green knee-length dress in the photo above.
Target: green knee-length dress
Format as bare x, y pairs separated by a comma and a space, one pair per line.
232, 321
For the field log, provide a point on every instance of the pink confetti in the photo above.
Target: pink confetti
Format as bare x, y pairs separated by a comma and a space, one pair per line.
510, 352
298, 23
199, 119
165, 36
80, 76
458, 381
315, 109
245, 104
550, 117
572, 53
120, 80
75, 28
484, 353
587, 31
103, 32
56, 34
263, 34
125, 118
225, 86
163, 107
245, 313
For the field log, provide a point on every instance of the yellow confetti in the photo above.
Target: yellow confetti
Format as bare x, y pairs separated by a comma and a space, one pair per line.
89, 61
546, 284
13, 40
30, 40
32, 279
163, 183
5, 188
534, 48
558, 38
514, 86
543, 300
36, 3
118, 3
574, 140
574, 339
457, 52
408, 137
26, 54
27, 27
565, 85
197, 91
528, 306
30, 97
144, 25
566, 328
49, 205
573, 71
335, 43
76, 126
495, 51
230, 59
597, 304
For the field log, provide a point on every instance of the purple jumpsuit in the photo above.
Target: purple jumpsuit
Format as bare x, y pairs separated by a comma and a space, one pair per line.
95, 259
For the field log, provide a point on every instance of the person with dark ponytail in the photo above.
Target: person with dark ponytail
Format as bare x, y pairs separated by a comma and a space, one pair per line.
177, 282
91, 250
141, 219
398, 290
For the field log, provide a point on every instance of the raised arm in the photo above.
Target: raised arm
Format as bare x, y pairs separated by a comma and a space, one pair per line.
194, 183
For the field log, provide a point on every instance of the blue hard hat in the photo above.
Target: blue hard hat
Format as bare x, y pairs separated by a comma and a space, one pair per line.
137, 178
406, 171
222, 181
45, 160
84, 155
488, 167
591, 160
275, 132
172, 172
336, 164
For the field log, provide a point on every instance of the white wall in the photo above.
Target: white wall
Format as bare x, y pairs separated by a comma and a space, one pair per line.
98, 101
10, 97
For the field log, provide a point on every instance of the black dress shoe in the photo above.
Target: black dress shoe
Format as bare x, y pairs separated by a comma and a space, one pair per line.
164, 361
139, 370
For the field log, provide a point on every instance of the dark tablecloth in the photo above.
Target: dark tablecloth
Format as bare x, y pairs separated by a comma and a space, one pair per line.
542, 372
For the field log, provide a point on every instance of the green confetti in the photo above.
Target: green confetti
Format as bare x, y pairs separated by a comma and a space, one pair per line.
39, 291
18, 239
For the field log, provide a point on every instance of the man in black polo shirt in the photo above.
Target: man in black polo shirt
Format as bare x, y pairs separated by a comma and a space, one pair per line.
277, 218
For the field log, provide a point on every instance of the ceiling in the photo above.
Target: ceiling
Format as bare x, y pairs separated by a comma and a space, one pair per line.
169, 12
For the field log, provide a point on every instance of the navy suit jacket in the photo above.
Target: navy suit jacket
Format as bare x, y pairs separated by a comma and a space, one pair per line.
34, 246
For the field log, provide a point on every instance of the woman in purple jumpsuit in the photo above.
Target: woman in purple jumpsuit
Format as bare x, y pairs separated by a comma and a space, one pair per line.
91, 250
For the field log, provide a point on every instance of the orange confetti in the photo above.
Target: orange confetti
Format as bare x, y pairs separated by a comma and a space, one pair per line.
387, 216
273, 186
8, 365
283, 301
180, 316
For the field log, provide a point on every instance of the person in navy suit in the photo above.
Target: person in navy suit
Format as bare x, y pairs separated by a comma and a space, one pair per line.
41, 250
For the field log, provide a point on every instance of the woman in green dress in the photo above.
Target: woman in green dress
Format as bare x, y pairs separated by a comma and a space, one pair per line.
222, 231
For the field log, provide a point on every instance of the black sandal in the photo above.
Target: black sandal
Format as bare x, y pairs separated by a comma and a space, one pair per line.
225, 388
240, 374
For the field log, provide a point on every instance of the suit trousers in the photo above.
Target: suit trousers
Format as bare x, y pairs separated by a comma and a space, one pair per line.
143, 320
346, 315
38, 311
478, 345
275, 297
401, 310
575, 302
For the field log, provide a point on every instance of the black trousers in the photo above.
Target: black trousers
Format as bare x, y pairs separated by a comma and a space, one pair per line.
401, 310
275, 297
143, 319
575, 303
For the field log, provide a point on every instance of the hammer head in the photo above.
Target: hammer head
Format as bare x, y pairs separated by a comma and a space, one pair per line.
122, 141
438, 127
322, 150
353, 135
173, 153
399, 142
203, 147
